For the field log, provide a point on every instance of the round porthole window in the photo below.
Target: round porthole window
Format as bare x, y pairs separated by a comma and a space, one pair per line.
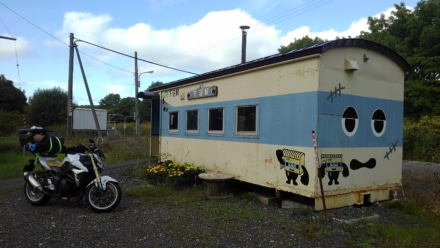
350, 121
378, 123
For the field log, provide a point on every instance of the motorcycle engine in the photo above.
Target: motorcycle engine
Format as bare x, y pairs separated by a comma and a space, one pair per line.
67, 186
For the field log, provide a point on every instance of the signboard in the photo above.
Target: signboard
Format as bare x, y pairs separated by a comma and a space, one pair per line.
202, 92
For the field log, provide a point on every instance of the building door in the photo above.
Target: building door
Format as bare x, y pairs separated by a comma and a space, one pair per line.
155, 129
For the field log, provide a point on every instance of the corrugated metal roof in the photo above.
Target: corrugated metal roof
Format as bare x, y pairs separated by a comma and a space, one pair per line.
293, 54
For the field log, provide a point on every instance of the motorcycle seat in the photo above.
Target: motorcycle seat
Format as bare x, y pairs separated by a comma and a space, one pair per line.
54, 163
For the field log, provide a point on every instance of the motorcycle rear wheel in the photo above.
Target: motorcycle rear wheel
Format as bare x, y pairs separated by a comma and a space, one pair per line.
35, 196
102, 201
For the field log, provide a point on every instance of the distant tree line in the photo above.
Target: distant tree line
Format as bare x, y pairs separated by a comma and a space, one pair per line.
49, 107
120, 108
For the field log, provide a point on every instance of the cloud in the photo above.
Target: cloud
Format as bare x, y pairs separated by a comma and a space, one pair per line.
114, 88
211, 43
330, 34
10, 48
85, 26
353, 31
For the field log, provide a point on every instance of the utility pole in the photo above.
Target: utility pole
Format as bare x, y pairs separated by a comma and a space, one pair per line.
69, 86
136, 85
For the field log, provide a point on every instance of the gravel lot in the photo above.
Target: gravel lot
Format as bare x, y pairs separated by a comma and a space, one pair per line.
136, 223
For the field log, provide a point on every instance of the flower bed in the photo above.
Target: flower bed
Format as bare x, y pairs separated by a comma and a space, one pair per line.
174, 173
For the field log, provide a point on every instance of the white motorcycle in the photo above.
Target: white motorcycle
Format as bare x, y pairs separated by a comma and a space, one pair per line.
78, 175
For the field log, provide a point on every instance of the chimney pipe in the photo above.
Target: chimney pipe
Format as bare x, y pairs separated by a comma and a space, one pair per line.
243, 43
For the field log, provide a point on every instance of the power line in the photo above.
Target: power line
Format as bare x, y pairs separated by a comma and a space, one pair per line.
258, 27
16, 60
44, 31
15, 47
108, 49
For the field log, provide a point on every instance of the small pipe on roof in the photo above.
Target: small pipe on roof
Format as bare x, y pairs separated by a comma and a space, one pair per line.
243, 43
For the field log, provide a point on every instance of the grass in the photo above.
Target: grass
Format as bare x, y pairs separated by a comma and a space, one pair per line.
12, 158
116, 146
419, 230
417, 225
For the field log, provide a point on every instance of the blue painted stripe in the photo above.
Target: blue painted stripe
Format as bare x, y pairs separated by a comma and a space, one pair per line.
330, 131
288, 120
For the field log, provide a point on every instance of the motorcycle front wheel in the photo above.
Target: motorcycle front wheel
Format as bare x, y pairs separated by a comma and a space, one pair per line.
35, 196
102, 201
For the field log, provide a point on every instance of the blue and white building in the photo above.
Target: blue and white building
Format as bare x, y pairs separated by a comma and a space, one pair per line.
331, 112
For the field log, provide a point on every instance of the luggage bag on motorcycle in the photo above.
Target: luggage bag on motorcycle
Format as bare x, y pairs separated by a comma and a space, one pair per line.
39, 140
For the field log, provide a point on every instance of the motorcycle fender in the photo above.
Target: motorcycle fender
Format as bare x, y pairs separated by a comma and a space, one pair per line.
104, 180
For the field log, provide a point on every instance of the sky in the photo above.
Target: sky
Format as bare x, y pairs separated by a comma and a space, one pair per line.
173, 39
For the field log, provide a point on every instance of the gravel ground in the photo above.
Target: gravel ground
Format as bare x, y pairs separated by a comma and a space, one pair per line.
135, 223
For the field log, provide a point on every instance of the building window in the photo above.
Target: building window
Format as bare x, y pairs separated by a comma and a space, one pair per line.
174, 121
192, 119
246, 120
215, 120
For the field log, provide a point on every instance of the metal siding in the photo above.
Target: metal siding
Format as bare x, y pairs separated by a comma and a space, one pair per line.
83, 119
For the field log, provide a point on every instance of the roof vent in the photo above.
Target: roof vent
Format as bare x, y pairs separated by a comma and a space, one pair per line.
350, 65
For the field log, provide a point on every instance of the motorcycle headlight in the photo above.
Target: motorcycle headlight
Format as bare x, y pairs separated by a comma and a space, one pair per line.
100, 161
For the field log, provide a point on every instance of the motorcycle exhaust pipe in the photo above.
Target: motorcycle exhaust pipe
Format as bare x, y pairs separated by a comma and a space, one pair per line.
31, 179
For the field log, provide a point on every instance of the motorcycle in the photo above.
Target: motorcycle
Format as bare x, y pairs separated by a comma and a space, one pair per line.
78, 175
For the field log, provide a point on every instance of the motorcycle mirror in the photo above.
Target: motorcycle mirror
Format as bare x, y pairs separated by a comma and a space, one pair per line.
92, 141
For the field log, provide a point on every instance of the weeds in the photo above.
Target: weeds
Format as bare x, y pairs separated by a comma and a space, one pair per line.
144, 189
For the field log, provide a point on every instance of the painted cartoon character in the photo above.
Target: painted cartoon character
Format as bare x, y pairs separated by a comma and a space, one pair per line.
332, 165
293, 163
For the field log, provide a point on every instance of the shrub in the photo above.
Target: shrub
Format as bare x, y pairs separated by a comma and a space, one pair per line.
421, 140
173, 173
10, 122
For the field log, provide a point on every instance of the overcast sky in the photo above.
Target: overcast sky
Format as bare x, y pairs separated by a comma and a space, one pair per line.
180, 37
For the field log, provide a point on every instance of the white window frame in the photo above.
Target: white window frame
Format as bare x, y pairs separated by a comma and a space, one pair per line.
197, 121
173, 113
223, 121
246, 133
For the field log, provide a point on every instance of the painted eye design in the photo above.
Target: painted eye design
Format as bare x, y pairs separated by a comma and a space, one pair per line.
378, 123
350, 121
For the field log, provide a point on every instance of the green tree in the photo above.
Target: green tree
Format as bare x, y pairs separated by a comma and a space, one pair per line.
300, 43
110, 101
11, 98
415, 35
48, 107
125, 106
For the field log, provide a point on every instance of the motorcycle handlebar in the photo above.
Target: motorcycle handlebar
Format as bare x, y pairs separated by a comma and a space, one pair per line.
80, 148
